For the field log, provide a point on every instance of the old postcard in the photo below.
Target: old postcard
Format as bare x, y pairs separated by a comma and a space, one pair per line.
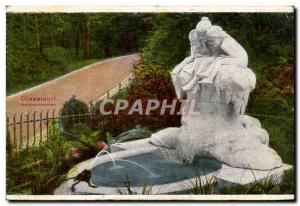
150, 103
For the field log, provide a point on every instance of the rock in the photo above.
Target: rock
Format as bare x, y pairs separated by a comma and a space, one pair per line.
259, 134
230, 175
248, 121
166, 137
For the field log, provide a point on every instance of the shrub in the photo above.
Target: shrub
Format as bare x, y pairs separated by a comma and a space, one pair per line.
70, 113
39, 170
152, 86
86, 140
58, 55
272, 102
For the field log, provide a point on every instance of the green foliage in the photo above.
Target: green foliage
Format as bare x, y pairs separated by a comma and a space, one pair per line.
58, 55
265, 36
287, 186
203, 187
167, 43
84, 141
272, 102
144, 190
42, 169
87, 138
268, 185
134, 134
39, 170
130, 135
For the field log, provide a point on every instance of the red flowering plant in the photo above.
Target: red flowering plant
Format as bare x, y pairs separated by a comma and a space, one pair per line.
151, 87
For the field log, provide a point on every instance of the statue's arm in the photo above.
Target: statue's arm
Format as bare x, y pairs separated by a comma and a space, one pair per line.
236, 53
180, 66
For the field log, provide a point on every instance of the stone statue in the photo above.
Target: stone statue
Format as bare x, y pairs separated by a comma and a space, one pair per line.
216, 78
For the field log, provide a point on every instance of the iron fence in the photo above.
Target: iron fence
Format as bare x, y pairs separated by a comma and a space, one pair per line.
30, 130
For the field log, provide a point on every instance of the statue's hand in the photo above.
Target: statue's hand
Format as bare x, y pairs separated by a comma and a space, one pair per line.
189, 59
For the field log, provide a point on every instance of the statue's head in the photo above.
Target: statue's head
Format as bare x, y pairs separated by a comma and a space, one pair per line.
215, 35
203, 25
197, 40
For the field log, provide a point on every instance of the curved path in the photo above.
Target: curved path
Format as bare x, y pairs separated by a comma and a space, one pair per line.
86, 84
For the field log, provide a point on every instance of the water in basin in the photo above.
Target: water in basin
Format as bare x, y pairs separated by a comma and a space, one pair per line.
149, 169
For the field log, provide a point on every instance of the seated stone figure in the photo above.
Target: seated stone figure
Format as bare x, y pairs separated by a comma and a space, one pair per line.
218, 128
200, 56
202, 59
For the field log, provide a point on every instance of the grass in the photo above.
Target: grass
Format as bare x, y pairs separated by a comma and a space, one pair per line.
38, 170
144, 190
70, 67
81, 63
205, 185
269, 185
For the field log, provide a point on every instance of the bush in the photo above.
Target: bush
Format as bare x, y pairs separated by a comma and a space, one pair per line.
272, 102
152, 86
39, 170
70, 113
58, 55
87, 140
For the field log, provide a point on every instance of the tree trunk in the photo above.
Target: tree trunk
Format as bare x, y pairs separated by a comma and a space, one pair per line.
52, 40
63, 39
86, 40
25, 31
77, 46
39, 48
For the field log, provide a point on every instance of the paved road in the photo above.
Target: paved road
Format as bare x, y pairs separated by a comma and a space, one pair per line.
86, 84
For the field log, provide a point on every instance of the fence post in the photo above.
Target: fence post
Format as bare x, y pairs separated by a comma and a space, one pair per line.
79, 117
14, 127
27, 124
85, 118
7, 123
120, 87
8, 143
59, 121
107, 94
47, 124
41, 127
66, 120
21, 132
33, 144
73, 118
53, 121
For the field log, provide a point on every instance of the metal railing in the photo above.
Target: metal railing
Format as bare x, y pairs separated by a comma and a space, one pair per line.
30, 130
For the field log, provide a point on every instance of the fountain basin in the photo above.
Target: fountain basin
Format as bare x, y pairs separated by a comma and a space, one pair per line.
155, 167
